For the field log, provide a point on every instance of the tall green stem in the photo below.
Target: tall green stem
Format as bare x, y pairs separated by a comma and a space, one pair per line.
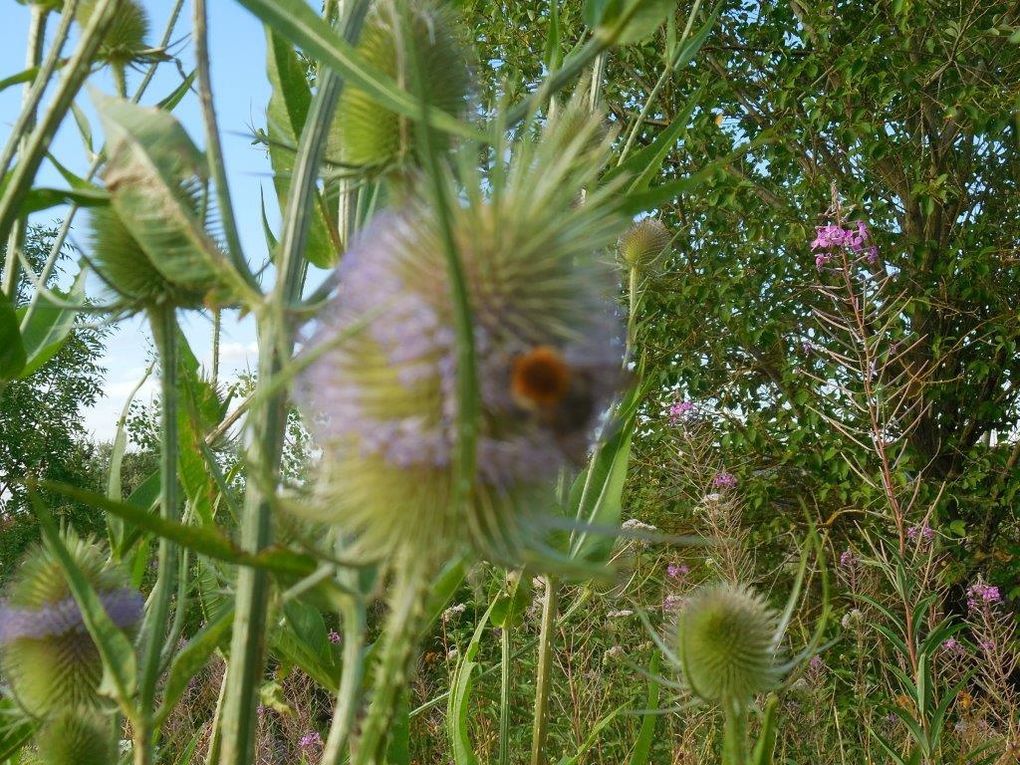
153, 632
16, 240
504, 694
268, 422
407, 606
633, 295
540, 726
734, 733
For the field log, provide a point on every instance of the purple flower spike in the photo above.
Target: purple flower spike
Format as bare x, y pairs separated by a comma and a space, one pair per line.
724, 480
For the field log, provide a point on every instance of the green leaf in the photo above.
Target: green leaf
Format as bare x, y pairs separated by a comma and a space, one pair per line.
643, 746
44, 198
12, 349
190, 660
458, 710
286, 115
50, 324
26, 75
294, 20
204, 541
119, 662
597, 494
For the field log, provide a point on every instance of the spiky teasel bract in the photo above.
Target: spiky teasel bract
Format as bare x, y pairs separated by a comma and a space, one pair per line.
155, 242
644, 244
125, 39
76, 737
371, 135
727, 647
45, 651
382, 395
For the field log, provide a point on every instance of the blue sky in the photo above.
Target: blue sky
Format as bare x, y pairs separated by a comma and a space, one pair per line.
241, 89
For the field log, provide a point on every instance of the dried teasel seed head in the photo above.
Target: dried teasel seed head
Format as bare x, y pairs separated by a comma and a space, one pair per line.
370, 135
76, 737
644, 244
727, 644
126, 36
45, 651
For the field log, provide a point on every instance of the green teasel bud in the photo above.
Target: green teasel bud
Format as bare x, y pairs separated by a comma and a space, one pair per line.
124, 266
45, 651
644, 244
369, 135
160, 191
125, 39
76, 737
727, 644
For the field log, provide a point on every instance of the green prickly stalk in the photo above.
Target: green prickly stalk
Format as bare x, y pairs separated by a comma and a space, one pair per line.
76, 737
727, 644
367, 134
50, 660
644, 243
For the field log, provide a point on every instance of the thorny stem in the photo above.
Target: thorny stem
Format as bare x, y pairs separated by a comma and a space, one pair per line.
153, 632
268, 423
33, 56
504, 694
540, 729
410, 593
734, 733
213, 147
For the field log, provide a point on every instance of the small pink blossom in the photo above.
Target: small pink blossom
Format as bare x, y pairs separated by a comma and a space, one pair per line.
334, 637
672, 603
724, 480
981, 594
925, 533
677, 570
681, 410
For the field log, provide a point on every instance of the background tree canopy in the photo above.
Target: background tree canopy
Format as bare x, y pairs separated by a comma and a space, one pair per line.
909, 110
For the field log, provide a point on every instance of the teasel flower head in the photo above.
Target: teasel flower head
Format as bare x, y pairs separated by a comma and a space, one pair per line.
75, 737
125, 40
644, 244
381, 394
370, 135
45, 650
727, 644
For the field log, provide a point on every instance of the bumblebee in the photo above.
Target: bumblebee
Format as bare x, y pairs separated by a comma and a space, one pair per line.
558, 396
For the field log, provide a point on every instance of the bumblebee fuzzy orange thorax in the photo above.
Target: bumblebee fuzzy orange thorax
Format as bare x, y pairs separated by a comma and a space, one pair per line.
540, 378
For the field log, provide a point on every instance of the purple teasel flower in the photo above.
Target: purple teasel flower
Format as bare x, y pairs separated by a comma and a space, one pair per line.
123, 606
382, 393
